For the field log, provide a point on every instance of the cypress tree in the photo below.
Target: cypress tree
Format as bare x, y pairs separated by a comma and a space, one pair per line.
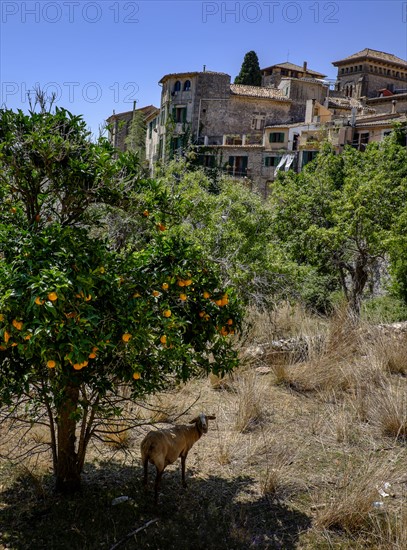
250, 73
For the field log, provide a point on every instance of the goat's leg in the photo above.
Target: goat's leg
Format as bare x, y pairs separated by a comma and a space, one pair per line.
157, 484
183, 460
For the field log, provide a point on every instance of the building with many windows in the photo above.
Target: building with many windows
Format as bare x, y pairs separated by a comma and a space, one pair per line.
252, 132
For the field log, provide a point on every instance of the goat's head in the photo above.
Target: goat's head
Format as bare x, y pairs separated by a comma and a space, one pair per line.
201, 422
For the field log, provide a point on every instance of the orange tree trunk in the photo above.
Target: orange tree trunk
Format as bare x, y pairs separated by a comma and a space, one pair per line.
68, 470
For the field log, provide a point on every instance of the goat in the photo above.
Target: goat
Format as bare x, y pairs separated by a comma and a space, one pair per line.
163, 447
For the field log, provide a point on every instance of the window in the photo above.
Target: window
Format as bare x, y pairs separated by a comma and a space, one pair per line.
187, 85
179, 114
177, 143
177, 86
162, 117
209, 161
258, 123
276, 137
237, 166
271, 161
308, 156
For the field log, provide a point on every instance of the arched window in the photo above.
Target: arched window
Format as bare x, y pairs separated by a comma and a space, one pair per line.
177, 86
187, 85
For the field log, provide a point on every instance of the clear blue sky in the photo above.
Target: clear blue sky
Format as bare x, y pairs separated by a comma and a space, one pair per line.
101, 55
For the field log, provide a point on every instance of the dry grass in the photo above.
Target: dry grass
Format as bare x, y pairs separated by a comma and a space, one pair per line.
391, 352
351, 503
295, 457
389, 411
249, 410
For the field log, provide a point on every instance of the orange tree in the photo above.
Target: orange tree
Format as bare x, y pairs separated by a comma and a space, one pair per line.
79, 318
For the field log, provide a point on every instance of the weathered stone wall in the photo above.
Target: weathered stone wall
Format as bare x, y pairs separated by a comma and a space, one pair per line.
385, 105
235, 116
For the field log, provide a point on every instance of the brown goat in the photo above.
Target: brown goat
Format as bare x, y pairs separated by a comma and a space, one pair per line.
163, 447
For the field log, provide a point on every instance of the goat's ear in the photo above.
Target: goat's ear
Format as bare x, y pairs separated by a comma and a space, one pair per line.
210, 416
194, 420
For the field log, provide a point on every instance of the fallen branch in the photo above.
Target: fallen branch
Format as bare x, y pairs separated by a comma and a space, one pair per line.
129, 535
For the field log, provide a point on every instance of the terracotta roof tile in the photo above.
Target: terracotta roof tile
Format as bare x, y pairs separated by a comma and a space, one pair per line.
373, 54
292, 67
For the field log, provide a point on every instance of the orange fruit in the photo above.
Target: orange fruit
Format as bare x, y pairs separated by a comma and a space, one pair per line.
183, 297
136, 375
6, 336
51, 364
88, 298
230, 322
188, 282
207, 317
206, 294
218, 302
1, 317
146, 213
38, 301
167, 313
201, 314
181, 282
224, 300
163, 339
92, 355
78, 366
161, 227
52, 296
17, 324
27, 336
126, 337
156, 293
165, 286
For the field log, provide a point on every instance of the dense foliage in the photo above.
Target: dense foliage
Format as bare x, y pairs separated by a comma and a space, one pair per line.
343, 215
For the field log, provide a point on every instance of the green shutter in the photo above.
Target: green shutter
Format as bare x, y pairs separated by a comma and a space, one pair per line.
244, 165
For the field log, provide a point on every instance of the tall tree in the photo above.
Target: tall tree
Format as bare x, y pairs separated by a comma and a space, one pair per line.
250, 73
78, 319
136, 138
338, 214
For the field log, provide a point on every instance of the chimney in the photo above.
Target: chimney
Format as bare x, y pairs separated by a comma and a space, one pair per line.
204, 68
304, 68
393, 107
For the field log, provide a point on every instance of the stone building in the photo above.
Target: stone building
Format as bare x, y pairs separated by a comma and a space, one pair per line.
253, 132
119, 125
272, 76
369, 73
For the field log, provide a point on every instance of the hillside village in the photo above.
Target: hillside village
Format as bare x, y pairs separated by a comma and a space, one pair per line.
254, 131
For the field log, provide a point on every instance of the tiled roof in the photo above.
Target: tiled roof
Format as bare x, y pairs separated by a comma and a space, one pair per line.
291, 67
147, 111
186, 75
387, 99
258, 91
386, 122
373, 54
345, 102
